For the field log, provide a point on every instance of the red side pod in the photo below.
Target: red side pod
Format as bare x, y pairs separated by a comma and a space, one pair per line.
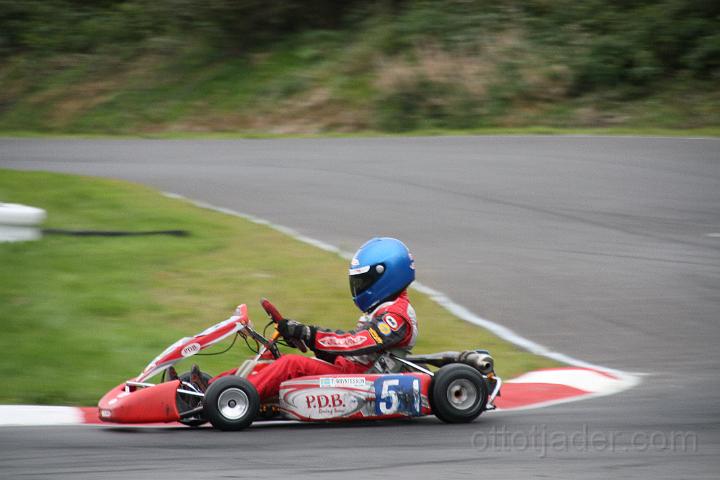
356, 396
143, 405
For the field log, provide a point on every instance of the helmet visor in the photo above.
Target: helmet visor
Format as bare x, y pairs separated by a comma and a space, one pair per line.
362, 279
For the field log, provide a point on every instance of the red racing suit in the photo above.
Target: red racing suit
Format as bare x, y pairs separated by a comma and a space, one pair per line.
392, 325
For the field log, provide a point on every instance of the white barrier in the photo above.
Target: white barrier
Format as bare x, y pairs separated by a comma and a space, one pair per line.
20, 223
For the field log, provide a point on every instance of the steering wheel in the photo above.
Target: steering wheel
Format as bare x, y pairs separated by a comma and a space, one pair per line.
276, 317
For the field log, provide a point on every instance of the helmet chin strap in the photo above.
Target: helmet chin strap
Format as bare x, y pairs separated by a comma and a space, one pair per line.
380, 302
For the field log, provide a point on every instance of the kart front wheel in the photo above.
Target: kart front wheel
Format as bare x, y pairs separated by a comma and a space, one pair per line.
231, 403
458, 393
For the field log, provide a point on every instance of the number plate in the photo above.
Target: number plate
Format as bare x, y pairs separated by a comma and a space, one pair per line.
397, 394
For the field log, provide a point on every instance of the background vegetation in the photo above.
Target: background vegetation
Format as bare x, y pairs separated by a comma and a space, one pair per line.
142, 66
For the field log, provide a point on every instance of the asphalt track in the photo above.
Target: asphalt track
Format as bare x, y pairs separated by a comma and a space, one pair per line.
607, 249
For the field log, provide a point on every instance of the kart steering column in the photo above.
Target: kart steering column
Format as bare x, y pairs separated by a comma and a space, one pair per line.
276, 317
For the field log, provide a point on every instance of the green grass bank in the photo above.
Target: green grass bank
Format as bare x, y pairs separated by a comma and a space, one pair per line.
134, 67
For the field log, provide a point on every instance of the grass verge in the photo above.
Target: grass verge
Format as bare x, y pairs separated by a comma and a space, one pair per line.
81, 314
487, 131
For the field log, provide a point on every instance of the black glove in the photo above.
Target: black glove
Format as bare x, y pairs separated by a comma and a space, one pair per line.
290, 329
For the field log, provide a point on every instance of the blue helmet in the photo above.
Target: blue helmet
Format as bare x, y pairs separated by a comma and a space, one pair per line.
382, 268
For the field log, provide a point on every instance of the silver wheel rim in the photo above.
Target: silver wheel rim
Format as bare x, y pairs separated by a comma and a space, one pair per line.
233, 403
462, 394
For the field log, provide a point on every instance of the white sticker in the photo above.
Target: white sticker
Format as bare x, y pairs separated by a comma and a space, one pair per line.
390, 320
342, 382
338, 342
191, 349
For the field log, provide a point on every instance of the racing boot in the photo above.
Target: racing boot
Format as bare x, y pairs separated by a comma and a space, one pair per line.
172, 374
196, 377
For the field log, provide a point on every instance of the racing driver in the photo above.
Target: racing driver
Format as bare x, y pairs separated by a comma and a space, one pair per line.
380, 273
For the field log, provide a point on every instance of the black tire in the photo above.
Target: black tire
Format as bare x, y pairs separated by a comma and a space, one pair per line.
186, 402
231, 403
458, 393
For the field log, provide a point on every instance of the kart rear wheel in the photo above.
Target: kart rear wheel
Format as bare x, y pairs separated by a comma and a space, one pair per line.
231, 403
458, 393
187, 402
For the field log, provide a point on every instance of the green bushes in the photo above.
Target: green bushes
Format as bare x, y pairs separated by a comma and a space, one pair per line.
73, 26
58, 26
606, 42
393, 65
426, 104
610, 44
541, 51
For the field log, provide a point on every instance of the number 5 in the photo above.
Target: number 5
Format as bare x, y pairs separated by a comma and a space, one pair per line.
390, 395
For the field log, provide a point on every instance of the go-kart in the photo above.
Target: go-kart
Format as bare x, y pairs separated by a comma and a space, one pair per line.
463, 387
